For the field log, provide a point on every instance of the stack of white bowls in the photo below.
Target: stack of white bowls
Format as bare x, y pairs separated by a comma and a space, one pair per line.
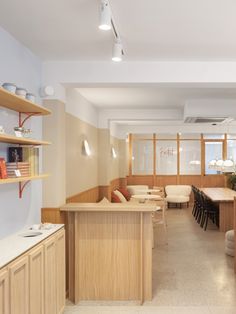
19, 91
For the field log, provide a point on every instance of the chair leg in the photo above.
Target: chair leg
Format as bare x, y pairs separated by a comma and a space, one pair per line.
203, 218
153, 241
206, 222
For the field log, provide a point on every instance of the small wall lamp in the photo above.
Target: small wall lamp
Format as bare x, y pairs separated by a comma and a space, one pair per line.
86, 148
113, 152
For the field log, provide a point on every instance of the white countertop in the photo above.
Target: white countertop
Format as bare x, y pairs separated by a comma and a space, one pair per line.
15, 245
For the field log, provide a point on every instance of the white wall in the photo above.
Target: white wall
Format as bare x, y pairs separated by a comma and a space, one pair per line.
18, 65
79, 107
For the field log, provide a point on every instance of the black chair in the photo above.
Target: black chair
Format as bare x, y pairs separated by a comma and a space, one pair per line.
211, 211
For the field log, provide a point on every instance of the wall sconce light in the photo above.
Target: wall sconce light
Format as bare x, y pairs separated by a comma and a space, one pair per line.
113, 152
86, 148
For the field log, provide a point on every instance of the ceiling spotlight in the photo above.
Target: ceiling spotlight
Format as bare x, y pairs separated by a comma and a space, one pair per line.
117, 51
105, 16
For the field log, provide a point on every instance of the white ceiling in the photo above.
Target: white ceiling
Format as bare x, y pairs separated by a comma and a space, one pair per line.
151, 97
150, 30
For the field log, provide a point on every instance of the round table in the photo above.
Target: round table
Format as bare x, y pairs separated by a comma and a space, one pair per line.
144, 197
149, 191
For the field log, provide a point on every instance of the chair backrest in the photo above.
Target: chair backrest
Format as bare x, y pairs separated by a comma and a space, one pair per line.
135, 189
178, 190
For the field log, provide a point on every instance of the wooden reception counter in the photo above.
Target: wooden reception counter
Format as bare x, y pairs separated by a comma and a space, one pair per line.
110, 251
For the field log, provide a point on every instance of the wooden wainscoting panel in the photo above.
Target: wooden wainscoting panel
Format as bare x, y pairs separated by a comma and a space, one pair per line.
115, 184
213, 181
166, 180
123, 182
88, 196
140, 179
190, 180
52, 215
104, 191
163, 180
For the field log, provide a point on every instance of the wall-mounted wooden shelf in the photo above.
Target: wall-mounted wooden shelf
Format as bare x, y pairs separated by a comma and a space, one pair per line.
19, 104
26, 109
10, 139
22, 179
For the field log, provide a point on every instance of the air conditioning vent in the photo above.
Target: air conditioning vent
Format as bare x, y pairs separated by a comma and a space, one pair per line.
211, 111
204, 120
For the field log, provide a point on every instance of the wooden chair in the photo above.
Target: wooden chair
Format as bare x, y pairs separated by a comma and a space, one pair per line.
159, 217
161, 191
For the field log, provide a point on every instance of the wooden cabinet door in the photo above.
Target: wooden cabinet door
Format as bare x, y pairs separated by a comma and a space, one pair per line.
61, 267
19, 286
36, 281
50, 276
4, 292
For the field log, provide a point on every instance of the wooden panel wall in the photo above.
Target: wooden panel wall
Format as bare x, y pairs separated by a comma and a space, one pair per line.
198, 180
165, 180
88, 196
142, 179
213, 181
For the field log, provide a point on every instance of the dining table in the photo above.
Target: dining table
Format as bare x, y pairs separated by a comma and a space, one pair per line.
224, 197
148, 191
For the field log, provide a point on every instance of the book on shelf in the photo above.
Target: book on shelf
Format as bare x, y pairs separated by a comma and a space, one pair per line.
23, 167
25, 154
3, 169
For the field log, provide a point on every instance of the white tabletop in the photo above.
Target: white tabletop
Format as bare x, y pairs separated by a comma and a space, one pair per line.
146, 197
148, 191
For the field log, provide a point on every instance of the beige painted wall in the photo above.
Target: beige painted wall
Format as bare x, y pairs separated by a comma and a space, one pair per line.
122, 159
54, 191
81, 170
71, 170
114, 163
104, 158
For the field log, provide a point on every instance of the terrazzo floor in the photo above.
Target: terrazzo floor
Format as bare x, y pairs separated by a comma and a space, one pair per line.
191, 274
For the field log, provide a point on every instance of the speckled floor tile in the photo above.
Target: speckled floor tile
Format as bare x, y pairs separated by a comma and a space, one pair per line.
191, 274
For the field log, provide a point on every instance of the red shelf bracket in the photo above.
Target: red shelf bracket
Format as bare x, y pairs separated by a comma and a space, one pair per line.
28, 115
22, 186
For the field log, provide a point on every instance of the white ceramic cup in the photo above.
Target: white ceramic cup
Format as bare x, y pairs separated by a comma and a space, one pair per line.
35, 227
